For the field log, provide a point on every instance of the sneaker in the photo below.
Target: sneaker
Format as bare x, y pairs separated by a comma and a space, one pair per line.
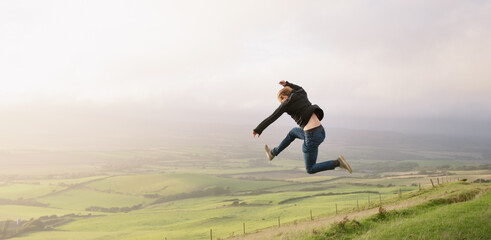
268, 152
344, 164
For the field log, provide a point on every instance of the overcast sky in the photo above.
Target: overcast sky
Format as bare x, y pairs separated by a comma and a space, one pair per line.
420, 66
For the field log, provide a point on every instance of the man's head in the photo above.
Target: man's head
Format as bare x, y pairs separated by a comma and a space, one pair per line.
283, 94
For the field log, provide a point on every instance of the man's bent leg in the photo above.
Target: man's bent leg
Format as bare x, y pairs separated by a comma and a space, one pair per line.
310, 150
310, 162
290, 137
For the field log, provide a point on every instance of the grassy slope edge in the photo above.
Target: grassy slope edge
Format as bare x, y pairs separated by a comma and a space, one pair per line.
449, 211
463, 214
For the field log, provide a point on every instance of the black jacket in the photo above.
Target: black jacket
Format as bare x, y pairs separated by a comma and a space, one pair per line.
297, 105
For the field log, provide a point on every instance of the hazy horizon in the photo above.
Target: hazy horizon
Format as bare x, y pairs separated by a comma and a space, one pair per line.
76, 72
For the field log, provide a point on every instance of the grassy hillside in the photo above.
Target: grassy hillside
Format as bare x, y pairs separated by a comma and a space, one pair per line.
25, 191
192, 218
449, 211
182, 194
463, 214
80, 199
171, 184
436, 220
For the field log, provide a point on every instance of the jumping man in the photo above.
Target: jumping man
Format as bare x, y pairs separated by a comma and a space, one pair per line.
294, 101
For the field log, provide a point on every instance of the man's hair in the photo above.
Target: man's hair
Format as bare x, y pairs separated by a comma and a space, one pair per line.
284, 91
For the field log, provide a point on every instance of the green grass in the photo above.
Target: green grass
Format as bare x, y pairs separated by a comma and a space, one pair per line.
63, 235
14, 212
80, 199
193, 218
467, 220
456, 215
25, 191
171, 184
435, 163
62, 182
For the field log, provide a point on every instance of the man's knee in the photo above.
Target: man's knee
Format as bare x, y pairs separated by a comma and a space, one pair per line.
292, 134
295, 132
310, 170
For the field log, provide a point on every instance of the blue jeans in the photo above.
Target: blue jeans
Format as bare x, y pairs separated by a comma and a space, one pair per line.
310, 148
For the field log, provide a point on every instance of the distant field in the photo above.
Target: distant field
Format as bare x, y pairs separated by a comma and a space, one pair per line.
170, 184
169, 188
14, 212
192, 218
26, 191
314, 178
66, 181
80, 199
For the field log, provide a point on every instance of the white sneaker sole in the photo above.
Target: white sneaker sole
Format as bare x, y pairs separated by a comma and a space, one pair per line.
344, 164
268, 152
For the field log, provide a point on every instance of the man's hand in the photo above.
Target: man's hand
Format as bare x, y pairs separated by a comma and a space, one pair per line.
254, 133
283, 83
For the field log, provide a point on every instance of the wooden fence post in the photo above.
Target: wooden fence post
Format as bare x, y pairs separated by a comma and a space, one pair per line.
368, 200
336, 208
432, 182
279, 224
438, 181
243, 226
211, 234
357, 206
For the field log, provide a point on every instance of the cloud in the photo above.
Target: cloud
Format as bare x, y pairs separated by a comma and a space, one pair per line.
384, 60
